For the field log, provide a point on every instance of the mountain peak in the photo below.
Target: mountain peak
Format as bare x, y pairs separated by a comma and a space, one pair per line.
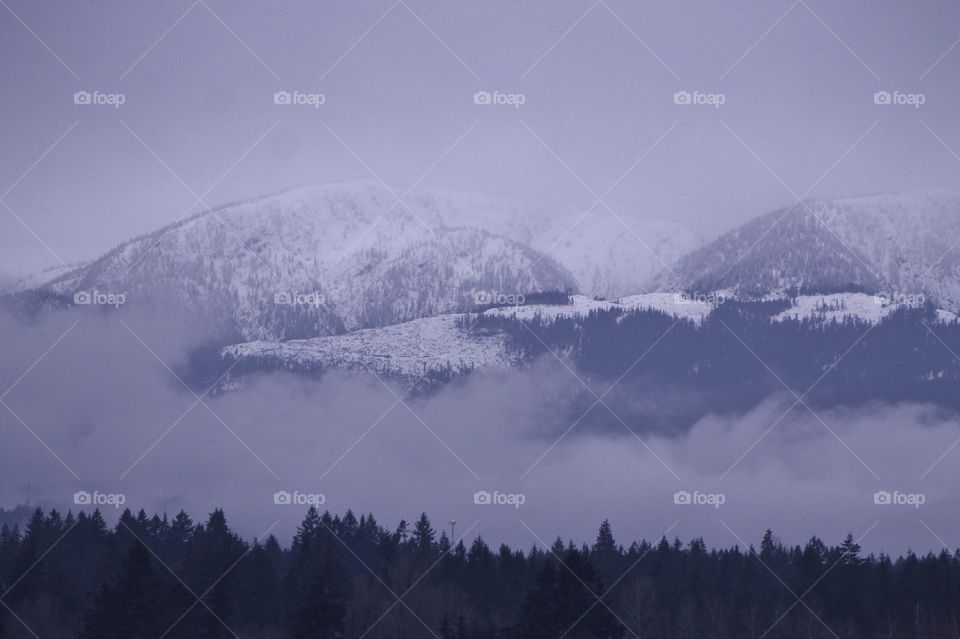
894, 242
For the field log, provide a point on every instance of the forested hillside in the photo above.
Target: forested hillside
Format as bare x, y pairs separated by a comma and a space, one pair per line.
737, 356
65, 576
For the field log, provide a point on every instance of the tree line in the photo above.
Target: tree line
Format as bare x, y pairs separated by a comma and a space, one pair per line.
737, 356
343, 576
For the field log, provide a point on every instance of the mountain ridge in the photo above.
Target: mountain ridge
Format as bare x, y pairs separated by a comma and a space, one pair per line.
364, 257
899, 243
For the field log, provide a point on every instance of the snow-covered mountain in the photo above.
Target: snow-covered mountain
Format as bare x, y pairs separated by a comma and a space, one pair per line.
320, 260
903, 244
609, 255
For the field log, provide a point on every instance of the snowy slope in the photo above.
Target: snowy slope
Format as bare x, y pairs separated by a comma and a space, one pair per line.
836, 307
902, 244
410, 349
432, 344
364, 260
673, 304
609, 255
357, 257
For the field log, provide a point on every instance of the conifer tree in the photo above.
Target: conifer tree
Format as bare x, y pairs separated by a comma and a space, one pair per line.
130, 606
423, 536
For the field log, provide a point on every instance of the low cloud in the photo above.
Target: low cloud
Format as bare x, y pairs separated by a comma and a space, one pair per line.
106, 400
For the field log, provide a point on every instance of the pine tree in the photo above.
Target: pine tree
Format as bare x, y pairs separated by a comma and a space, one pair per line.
213, 552
768, 546
258, 590
605, 542
605, 554
850, 551
563, 602
319, 610
423, 537
308, 532
130, 605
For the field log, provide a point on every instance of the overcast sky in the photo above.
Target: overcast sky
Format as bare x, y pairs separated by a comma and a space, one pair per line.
398, 80
789, 92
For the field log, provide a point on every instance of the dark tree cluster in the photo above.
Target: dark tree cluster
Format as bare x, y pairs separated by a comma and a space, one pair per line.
342, 576
737, 357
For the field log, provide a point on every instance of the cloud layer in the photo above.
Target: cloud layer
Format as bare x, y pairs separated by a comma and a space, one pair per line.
106, 400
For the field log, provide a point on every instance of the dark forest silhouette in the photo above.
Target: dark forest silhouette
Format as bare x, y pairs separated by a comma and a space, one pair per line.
342, 576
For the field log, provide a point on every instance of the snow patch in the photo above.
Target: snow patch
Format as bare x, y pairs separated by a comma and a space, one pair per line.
410, 349
677, 305
837, 307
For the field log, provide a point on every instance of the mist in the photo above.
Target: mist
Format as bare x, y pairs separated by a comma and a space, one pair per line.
103, 410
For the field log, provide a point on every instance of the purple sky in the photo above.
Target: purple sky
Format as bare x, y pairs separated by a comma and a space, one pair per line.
598, 80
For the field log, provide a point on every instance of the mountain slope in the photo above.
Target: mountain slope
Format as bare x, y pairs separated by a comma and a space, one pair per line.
359, 259
607, 256
343, 253
445, 345
612, 257
411, 349
901, 244
441, 344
